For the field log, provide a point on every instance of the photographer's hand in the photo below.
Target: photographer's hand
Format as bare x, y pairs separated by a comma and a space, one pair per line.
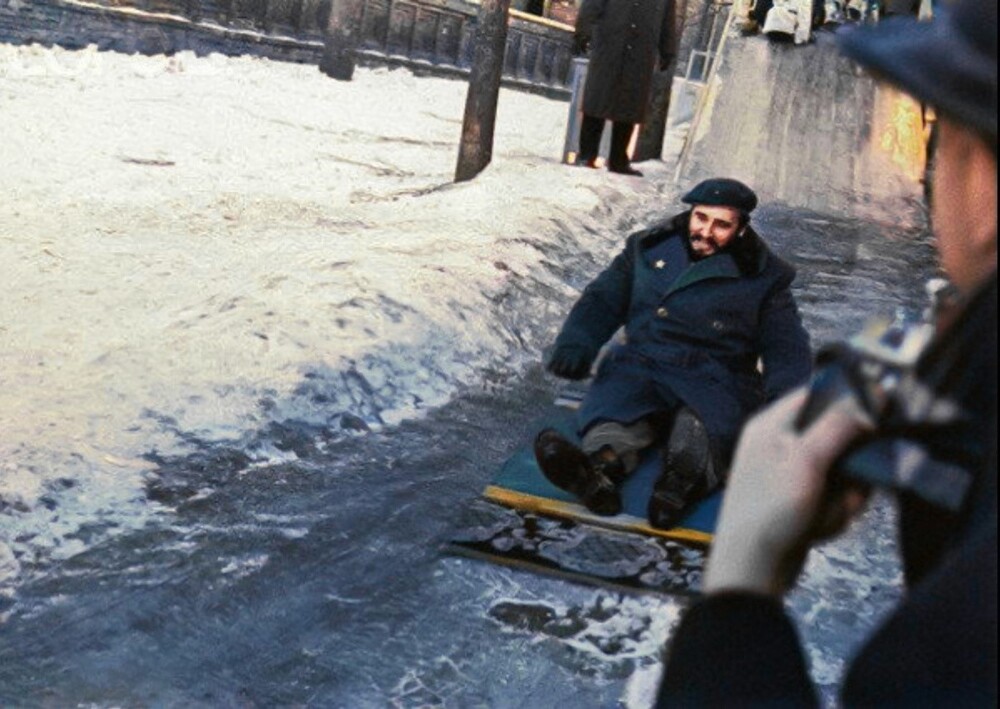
778, 501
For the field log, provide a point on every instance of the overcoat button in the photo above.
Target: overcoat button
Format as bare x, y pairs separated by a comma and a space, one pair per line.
662, 312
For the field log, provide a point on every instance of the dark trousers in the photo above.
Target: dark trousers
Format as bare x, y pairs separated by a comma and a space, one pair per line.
591, 130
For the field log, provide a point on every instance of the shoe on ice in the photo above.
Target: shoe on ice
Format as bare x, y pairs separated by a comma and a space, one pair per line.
569, 468
688, 472
625, 169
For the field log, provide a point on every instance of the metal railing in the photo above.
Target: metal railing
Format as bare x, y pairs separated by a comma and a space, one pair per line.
442, 33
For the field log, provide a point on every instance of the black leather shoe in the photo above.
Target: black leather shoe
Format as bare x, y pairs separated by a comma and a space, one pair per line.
567, 467
624, 170
687, 474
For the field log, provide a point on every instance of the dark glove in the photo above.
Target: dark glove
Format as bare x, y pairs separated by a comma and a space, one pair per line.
571, 362
581, 43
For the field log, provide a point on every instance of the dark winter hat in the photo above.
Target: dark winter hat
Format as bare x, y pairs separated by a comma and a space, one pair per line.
949, 62
722, 192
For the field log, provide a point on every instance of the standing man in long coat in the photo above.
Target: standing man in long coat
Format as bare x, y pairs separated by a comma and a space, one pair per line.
625, 38
703, 302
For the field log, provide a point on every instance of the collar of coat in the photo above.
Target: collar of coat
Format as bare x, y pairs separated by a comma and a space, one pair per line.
747, 253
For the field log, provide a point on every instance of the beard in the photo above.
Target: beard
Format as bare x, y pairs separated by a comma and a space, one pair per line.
700, 247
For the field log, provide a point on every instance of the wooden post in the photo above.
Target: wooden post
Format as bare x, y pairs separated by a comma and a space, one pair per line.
476, 149
342, 28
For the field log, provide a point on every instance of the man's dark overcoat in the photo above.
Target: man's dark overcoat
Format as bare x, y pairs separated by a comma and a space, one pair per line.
694, 330
626, 37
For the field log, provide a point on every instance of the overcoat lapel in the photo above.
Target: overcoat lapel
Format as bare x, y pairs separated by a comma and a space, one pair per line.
722, 265
717, 266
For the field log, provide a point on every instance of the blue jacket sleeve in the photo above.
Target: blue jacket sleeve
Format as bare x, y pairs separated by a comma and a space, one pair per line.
603, 306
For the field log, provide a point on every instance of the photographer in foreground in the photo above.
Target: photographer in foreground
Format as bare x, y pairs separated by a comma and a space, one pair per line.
736, 646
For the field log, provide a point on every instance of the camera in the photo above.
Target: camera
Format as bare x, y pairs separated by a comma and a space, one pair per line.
878, 369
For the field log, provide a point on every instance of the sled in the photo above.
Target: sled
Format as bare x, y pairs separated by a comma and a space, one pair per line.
521, 519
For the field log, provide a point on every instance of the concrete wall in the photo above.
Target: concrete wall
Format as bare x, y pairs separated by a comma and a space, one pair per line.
805, 127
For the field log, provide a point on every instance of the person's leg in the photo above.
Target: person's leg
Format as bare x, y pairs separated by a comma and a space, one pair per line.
615, 448
591, 129
594, 470
618, 161
691, 469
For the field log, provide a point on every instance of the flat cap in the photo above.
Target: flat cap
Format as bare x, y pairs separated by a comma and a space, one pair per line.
722, 192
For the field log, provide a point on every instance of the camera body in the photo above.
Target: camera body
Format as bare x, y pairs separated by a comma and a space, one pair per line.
878, 369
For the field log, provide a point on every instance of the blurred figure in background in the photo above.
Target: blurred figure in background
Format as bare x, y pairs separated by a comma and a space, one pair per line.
626, 41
